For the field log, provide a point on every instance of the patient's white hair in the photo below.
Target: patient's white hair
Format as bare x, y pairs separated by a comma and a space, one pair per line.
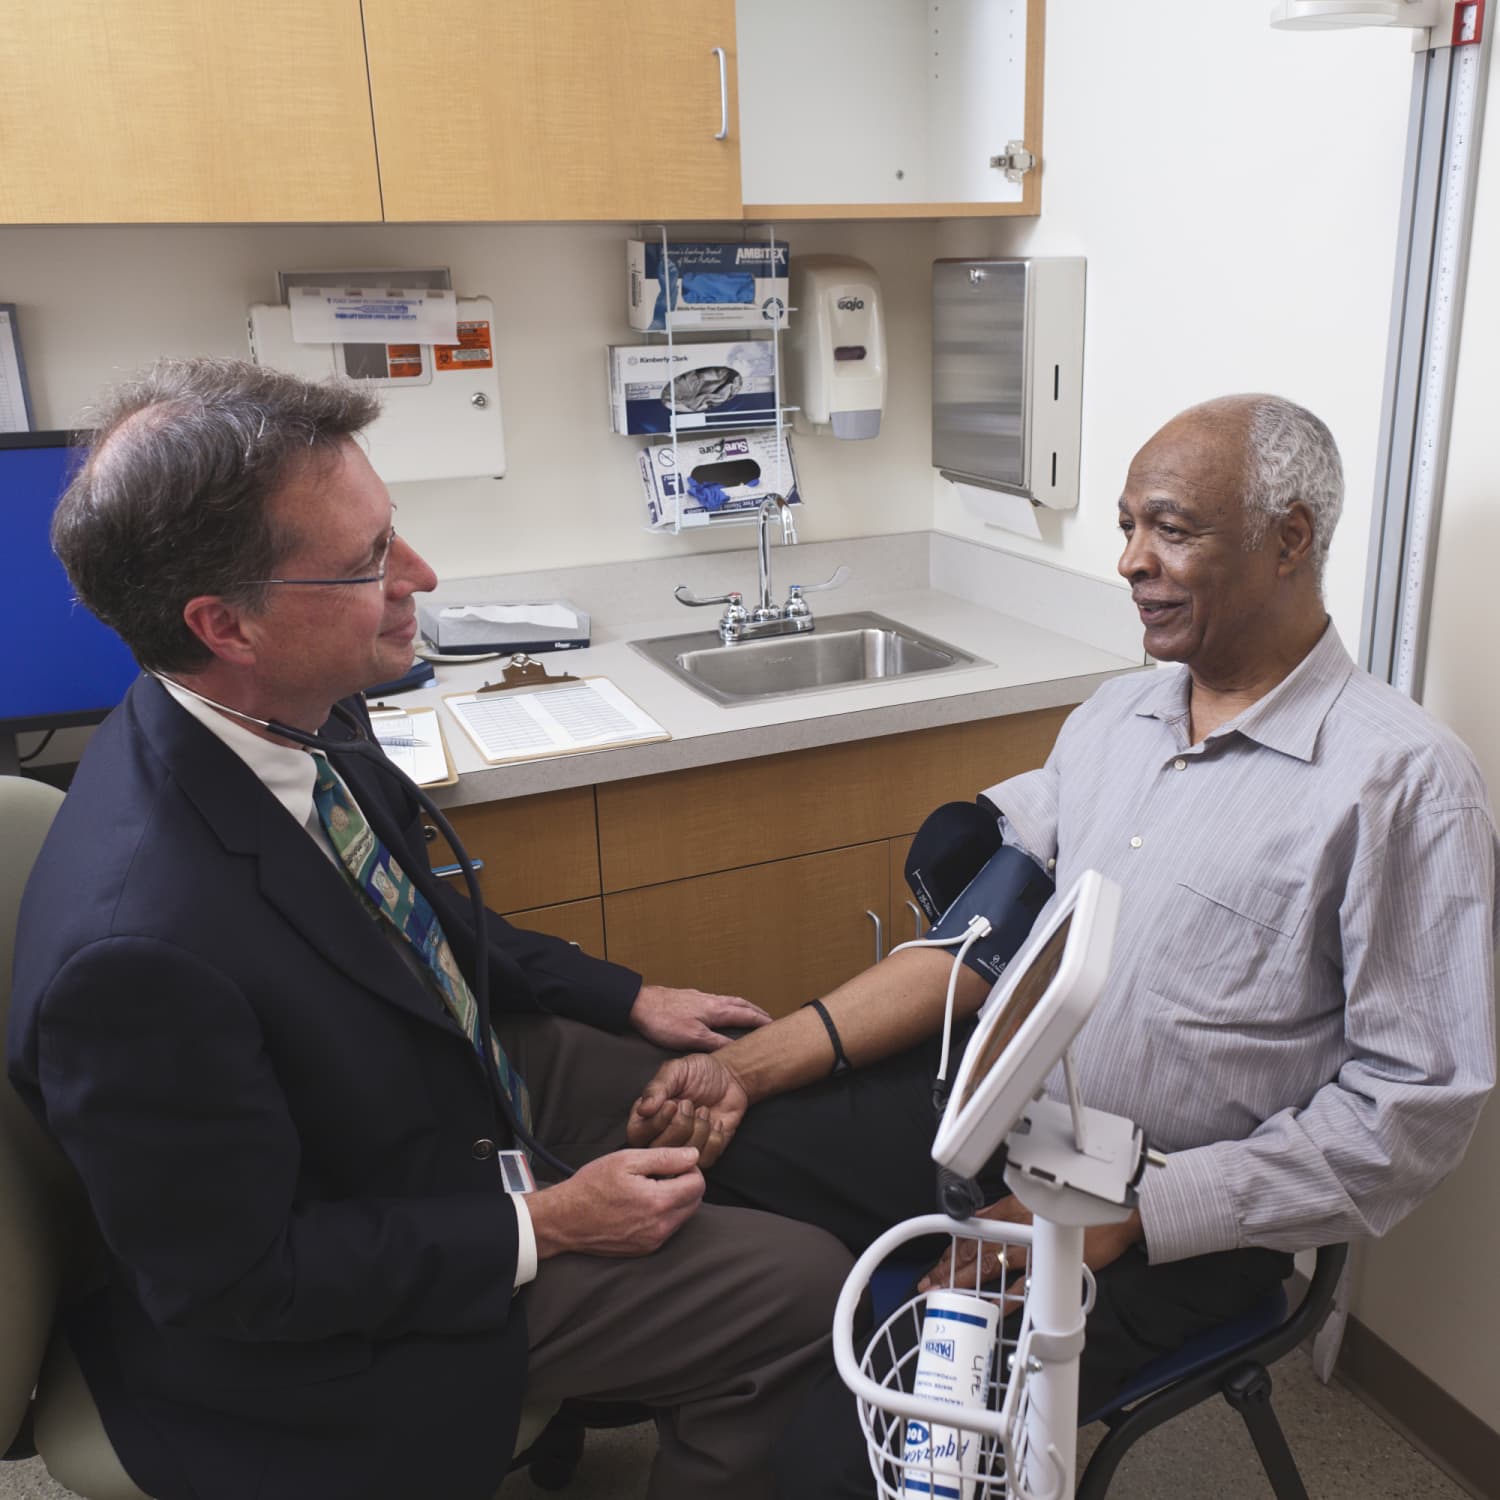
1290, 455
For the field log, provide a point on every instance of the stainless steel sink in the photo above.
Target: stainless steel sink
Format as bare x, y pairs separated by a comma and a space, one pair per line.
840, 651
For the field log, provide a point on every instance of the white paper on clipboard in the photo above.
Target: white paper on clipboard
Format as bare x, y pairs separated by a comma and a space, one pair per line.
529, 722
413, 740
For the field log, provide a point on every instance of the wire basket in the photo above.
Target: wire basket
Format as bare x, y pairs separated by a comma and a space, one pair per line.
922, 1448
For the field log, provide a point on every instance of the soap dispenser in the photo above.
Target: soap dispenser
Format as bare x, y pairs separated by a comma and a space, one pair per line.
836, 345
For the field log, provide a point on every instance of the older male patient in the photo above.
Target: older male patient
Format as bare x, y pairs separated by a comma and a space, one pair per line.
1301, 1005
242, 1005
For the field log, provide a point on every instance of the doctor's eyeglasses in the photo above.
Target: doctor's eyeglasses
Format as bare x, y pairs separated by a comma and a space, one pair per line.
382, 566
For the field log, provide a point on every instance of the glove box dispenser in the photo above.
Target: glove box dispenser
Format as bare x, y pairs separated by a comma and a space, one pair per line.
1007, 375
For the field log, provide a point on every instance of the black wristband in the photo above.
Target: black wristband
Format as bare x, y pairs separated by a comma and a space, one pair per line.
841, 1063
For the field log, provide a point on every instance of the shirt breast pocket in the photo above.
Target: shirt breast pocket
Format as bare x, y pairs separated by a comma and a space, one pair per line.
1231, 949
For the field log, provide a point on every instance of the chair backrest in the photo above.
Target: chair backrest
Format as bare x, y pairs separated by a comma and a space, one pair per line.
38, 1194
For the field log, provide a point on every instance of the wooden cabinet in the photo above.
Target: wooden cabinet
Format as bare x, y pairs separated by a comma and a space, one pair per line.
778, 933
180, 111
537, 851
760, 878
201, 111
580, 922
527, 109
656, 828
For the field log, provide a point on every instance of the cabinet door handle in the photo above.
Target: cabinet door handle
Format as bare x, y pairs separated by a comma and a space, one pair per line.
723, 95
456, 868
879, 935
916, 918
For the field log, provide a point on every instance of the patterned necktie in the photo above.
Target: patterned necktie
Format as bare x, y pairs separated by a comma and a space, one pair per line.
375, 874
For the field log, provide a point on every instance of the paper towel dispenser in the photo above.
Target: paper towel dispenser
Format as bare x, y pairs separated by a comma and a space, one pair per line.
1007, 375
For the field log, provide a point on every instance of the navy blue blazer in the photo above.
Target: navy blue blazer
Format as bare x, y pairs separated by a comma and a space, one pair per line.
310, 1270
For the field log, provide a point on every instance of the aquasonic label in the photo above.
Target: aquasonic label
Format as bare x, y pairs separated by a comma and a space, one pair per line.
953, 1367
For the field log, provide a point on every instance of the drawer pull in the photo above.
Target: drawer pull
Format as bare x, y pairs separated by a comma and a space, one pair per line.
723, 130
879, 935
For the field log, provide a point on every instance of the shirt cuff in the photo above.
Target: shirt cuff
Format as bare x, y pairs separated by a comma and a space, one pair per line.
1186, 1208
525, 1242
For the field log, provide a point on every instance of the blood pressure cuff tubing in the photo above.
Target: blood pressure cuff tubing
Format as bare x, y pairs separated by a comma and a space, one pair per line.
959, 869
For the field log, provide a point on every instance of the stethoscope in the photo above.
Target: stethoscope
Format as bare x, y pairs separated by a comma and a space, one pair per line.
368, 750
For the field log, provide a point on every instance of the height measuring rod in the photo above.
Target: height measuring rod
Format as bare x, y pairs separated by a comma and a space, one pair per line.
1432, 253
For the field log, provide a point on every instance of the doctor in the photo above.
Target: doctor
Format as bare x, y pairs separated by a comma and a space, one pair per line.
242, 1006
1300, 1009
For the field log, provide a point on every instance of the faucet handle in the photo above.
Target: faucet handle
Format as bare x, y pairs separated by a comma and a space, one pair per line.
838, 579
796, 607
684, 595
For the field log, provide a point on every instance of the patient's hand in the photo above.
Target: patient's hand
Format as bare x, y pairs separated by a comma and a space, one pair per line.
695, 1100
1102, 1243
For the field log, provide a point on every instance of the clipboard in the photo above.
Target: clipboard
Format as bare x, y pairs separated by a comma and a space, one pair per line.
413, 739
532, 715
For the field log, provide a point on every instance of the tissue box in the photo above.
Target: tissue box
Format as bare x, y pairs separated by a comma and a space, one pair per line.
746, 468
706, 385
712, 285
473, 637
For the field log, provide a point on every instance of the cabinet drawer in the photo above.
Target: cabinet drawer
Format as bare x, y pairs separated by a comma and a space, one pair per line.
778, 933
580, 922
537, 851
719, 817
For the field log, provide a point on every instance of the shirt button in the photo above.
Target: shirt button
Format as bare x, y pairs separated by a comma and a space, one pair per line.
482, 1150
1136, 842
1179, 765
1051, 864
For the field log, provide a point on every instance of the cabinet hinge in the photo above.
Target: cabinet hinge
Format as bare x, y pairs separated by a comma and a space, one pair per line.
1016, 161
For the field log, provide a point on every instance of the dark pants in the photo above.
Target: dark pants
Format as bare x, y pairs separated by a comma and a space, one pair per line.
853, 1155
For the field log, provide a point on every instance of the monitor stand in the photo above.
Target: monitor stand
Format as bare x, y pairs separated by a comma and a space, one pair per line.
10, 754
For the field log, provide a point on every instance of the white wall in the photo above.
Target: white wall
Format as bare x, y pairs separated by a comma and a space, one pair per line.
1428, 1288
1235, 190
96, 303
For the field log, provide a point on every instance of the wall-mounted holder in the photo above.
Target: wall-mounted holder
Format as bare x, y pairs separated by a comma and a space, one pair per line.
1007, 379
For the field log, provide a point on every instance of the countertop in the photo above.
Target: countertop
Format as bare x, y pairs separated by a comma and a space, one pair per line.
1031, 666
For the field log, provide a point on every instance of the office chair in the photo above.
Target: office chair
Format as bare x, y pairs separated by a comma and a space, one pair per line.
48, 1240
1231, 1361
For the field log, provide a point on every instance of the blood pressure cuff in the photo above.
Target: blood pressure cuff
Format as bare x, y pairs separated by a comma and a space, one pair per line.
949, 850
1003, 885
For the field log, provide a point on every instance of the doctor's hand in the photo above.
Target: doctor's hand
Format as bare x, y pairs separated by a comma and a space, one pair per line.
693, 1101
625, 1204
1102, 1243
683, 1020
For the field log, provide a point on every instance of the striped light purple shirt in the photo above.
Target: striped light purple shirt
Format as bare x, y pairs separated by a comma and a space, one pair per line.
1301, 1006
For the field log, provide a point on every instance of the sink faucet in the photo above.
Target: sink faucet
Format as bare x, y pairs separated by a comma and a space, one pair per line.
792, 618
765, 611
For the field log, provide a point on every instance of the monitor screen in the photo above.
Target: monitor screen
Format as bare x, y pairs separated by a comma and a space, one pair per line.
62, 666
1033, 1013
1032, 984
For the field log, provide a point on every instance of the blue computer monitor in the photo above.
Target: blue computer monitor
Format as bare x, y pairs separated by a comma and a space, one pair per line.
61, 666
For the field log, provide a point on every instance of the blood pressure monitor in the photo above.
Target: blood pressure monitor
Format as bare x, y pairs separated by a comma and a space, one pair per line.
1035, 1010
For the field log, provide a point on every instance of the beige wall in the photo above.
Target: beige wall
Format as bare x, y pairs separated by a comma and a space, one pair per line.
97, 302
1235, 190
1428, 1289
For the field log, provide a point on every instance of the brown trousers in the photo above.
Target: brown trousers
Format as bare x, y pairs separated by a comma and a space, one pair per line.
723, 1331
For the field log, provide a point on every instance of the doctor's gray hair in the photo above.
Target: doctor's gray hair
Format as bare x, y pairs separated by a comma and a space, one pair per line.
172, 501
1290, 456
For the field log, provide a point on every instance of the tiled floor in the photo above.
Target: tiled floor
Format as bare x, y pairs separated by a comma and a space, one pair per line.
1344, 1450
